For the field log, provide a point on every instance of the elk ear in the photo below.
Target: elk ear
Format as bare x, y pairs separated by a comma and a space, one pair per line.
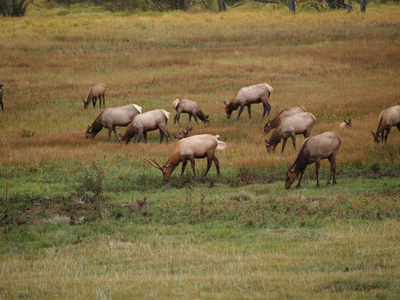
373, 134
349, 122
266, 143
288, 166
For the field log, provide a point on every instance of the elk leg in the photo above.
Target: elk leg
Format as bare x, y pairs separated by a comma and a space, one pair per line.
294, 140
94, 100
209, 163
195, 118
249, 110
192, 163
166, 133
2, 108
267, 108
216, 162
138, 136
284, 144
332, 160
161, 135
145, 136
240, 111
301, 176
387, 133
317, 165
184, 166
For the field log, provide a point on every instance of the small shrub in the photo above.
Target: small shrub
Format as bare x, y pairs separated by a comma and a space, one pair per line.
14, 8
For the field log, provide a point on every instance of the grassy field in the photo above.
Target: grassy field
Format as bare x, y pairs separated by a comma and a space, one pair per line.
70, 227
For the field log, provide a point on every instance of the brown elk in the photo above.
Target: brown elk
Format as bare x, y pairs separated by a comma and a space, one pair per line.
246, 97
300, 123
313, 149
387, 119
112, 117
188, 149
183, 133
1, 96
96, 91
346, 124
148, 121
190, 107
282, 114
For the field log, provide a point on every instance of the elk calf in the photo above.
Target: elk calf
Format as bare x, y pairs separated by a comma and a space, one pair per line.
183, 133
188, 149
387, 119
246, 97
313, 149
148, 121
112, 117
300, 123
189, 107
282, 114
96, 91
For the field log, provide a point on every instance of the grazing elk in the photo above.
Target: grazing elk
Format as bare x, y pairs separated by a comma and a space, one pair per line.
346, 124
248, 96
313, 149
188, 149
300, 123
112, 117
190, 107
96, 91
387, 119
183, 133
148, 121
1, 96
282, 114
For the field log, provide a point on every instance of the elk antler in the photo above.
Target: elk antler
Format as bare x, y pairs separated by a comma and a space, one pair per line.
223, 106
154, 163
188, 129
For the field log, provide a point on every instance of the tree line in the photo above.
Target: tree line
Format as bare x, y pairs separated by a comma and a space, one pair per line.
17, 8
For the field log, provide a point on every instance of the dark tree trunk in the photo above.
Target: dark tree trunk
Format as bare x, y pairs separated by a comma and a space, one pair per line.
363, 4
349, 6
221, 5
292, 6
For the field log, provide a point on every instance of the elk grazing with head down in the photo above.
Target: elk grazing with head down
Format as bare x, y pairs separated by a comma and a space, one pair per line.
183, 133
188, 149
96, 91
313, 149
246, 97
387, 119
346, 124
189, 107
148, 121
300, 123
282, 114
112, 117
1, 96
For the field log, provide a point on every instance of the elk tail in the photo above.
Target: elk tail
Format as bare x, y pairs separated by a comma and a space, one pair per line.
138, 108
166, 114
270, 88
176, 102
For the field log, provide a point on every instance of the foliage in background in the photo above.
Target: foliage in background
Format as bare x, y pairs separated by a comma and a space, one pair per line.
14, 8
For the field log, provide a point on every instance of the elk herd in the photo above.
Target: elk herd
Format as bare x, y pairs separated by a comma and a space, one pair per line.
286, 124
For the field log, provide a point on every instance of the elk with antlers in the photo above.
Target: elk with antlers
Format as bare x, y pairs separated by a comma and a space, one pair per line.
246, 97
188, 149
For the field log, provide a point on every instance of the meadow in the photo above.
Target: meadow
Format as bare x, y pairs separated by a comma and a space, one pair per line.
70, 223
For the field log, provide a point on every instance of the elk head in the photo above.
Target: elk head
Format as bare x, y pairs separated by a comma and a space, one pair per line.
227, 108
270, 147
267, 127
378, 137
166, 169
182, 134
85, 104
90, 133
290, 176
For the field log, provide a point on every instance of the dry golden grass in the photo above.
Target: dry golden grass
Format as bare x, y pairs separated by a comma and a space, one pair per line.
335, 64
